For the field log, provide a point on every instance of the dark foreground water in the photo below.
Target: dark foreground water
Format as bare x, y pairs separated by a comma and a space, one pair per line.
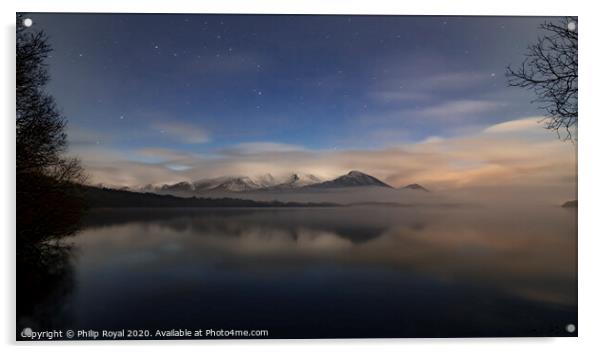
318, 272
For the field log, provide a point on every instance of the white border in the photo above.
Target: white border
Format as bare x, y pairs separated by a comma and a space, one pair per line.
590, 176
376, 7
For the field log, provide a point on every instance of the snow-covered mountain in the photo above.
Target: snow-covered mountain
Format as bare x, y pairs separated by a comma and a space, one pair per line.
238, 184
265, 181
297, 180
294, 181
352, 179
268, 183
224, 184
178, 187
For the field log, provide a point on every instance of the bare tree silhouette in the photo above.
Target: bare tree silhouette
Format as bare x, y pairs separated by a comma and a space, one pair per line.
48, 205
550, 70
41, 139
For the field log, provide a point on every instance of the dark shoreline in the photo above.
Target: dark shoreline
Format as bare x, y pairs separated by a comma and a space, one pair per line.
96, 197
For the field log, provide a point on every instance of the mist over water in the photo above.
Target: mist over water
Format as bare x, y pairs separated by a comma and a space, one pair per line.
510, 196
364, 271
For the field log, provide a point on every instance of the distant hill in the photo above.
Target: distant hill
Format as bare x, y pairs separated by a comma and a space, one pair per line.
416, 187
98, 197
570, 204
352, 179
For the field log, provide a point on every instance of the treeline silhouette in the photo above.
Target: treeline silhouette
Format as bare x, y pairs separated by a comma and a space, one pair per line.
97, 197
49, 202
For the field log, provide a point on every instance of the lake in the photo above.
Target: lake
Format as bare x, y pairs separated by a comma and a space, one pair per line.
364, 271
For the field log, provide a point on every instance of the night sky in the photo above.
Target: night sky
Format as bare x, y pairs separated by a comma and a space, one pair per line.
158, 98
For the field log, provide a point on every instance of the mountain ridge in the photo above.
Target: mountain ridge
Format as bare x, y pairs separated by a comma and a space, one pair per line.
267, 183
352, 179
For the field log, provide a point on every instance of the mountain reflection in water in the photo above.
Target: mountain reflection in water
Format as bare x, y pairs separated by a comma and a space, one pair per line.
326, 272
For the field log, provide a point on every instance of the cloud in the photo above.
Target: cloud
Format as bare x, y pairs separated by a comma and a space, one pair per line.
514, 126
255, 148
457, 108
164, 155
178, 167
451, 81
183, 132
388, 96
401, 89
515, 153
118, 173
81, 137
225, 63
432, 97
439, 114
453, 103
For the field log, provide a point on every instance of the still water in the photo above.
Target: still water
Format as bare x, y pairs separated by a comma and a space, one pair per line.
322, 272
